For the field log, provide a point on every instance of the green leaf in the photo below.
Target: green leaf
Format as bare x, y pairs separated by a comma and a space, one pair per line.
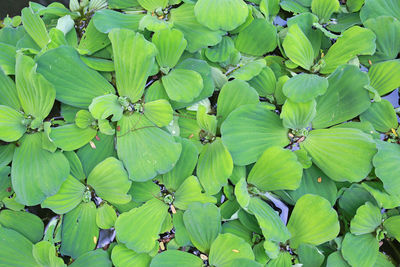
98, 258
298, 115
27, 224
324, 8
298, 47
172, 258
221, 15
383, 199
353, 42
203, 224
305, 87
105, 217
105, 20
310, 256
190, 191
366, 220
313, 221
37, 173
222, 51
232, 95
227, 248
35, 94
384, 75
152, 5
159, 112
184, 166
67, 198
386, 167
264, 82
63, 68
8, 92
124, 257
7, 58
249, 70
387, 31
268, 175
197, 35
110, 181
257, 39
335, 259
84, 119
170, 44
145, 149
79, 232
315, 182
284, 259
360, 250
345, 147
207, 123
92, 40
249, 130
35, 27
11, 124
105, 106
133, 59
15, 249
70, 137
45, 254
182, 85
381, 115
345, 97
391, 225
139, 228
376, 8
214, 167
269, 221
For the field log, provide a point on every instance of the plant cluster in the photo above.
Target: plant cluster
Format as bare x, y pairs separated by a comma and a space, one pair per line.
221, 133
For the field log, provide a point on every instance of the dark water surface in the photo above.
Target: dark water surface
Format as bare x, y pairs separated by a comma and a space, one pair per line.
13, 7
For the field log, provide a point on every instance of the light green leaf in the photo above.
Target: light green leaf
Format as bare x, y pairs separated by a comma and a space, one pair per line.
7, 58
315, 182
257, 39
207, 123
269, 221
182, 85
384, 75
11, 124
313, 221
249, 130
133, 59
67, 198
104, 106
305, 87
110, 181
227, 248
45, 254
386, 166
37, 173
98, 258
203, 224
159, 112
8, 92
298, 47
27, 224
172, 258
152, 5
284, 259
139, 228
170, 44
92, 40
232, 95
383, 199
214, 167
197, 35
249, 70
345, 97
353, 42
79, 232
63, 68
324, 8
268, 175
15, 249
345, 147
124, 257
105, 217
335, 259
381, 115
222, 51
145, 149
189, 192
264, 82
366, 220
376, 8
84, 119
391, 225
310, 256
360, 250
70, 137
105, 20
35, 27
298, 115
